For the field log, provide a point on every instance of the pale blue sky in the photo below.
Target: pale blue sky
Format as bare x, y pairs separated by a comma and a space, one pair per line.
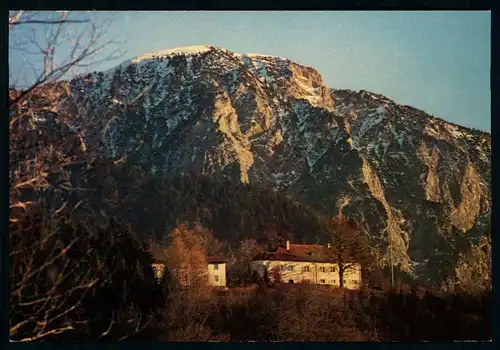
435, 61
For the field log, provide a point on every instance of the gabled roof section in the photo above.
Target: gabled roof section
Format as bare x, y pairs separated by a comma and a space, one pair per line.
297, 252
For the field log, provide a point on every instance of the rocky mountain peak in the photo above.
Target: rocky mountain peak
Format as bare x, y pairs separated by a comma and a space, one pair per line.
409, 179
169, 53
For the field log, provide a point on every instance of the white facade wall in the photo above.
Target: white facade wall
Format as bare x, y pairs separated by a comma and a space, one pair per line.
217, 274
312, 272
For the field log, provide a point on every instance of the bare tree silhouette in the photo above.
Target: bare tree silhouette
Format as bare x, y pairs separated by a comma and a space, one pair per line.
41, 148
348, 247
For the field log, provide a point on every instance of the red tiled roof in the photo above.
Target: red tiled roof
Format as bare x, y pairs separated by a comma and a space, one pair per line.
305, 250
297, 252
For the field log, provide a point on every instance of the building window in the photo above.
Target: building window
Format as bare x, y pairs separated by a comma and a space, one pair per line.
287, 267
216, 266
333, 269
345, 282
291, 281
305, 269
354, 281
333, 281
322, 269
216, 278
322, 281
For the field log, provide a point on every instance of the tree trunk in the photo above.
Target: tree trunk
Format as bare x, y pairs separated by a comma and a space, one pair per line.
340, 261
341, 274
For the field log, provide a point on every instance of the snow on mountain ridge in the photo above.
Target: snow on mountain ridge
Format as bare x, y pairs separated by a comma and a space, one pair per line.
199, 49
186, 50
262, 119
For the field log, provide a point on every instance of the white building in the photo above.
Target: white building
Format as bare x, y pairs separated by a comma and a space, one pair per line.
301, 263
216, 270
217, 267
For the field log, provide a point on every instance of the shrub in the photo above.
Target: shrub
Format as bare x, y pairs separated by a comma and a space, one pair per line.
71, 284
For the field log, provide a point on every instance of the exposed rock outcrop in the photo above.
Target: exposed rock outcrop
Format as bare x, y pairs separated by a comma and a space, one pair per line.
404, 175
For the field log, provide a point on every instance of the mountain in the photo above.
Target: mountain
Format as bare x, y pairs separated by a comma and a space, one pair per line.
413, 182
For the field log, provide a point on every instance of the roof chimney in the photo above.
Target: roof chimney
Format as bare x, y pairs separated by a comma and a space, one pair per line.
287, 245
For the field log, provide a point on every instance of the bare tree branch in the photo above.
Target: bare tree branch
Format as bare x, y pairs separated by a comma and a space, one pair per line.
62, 21
46, 289
76, 57
13, 20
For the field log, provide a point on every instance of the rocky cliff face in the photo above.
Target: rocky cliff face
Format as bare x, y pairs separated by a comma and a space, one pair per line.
412, 181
